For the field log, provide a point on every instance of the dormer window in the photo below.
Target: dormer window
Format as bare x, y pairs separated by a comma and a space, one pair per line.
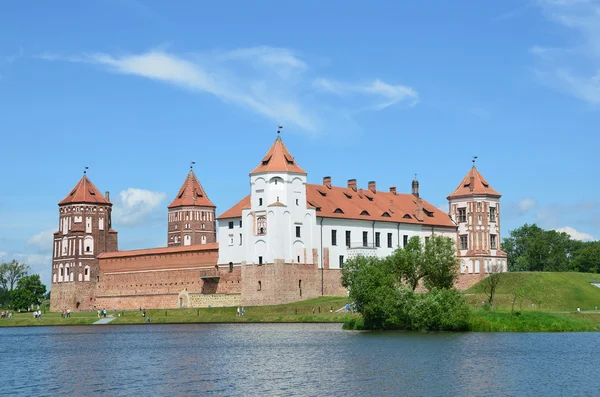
338, 211
348, 195
386, 214
365, 213
322, 193
369, 197
406, 216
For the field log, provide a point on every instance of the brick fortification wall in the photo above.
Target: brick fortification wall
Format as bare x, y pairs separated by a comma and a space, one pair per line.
155, 278
273, 284
73, 296
466, 281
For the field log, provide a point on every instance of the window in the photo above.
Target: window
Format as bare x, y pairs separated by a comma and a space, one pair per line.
261, 225
240, 223
492, 214
230, 267
259, 283
87, 249
231, 225
187, 225
231, 239
462, 215
348, 238
260, 202
377, 239
426, 240
297, 231
298, 259
389, 240
341, 261
365, 239
492, 241
405, 241
260, 262
464, 243
297, 202
240, 238
334, 237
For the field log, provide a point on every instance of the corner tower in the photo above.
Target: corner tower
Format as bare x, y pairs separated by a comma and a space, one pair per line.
191, 215
84, 232
475, 207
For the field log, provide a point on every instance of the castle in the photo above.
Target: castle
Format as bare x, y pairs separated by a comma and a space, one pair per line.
286, 241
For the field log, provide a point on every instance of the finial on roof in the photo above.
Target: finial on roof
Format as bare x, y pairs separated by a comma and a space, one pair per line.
474, 158
415, 177
279, 131
85, 170
192, 165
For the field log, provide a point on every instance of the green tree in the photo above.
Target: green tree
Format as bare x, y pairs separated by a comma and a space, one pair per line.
11, 272
440, 263
586, 257
408, 263
29, 291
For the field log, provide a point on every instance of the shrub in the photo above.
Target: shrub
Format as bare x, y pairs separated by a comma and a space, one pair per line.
440, 310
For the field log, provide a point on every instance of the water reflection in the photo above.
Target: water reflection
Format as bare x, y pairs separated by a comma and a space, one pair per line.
286, 359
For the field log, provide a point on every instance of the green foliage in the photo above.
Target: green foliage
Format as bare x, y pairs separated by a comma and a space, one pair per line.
29, 291
383, 289
531, 248
10, 273
440, 310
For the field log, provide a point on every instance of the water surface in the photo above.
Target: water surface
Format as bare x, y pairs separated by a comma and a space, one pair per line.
292, 359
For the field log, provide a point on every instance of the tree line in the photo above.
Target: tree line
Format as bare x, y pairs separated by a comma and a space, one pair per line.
531, 248
383, 289
18, 289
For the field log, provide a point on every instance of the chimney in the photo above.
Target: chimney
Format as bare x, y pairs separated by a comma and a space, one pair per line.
415, 187
352, 184
327, 181
373, 186
419, 211
393, 189
107, 196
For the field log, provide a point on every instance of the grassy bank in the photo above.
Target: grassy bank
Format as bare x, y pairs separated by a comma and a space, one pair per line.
300, 312
531, 321
539, 291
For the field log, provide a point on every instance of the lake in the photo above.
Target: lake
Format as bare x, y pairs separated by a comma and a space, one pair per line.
292, 359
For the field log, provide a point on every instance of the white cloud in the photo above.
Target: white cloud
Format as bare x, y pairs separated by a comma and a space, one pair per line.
388, 94
526, 204
574, 68
38, 264
42, 241
134, 206
272, 82
575, 234
2, 254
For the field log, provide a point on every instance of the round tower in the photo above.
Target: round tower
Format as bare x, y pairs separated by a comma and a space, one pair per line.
84, 232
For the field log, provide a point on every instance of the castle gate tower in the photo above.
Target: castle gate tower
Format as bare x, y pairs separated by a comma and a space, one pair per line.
475, 207
191, 215
84, 232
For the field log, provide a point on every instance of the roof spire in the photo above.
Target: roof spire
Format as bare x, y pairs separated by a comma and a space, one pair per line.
192, 165
474, 158
279, 132
85, 170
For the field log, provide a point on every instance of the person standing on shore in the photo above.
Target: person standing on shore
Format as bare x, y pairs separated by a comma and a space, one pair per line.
238, 311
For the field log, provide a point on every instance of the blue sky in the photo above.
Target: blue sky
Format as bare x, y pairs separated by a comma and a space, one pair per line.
379, 91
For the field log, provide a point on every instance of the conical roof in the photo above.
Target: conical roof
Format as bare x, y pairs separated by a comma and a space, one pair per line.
85, 193
473, 184
191, 194
278, 159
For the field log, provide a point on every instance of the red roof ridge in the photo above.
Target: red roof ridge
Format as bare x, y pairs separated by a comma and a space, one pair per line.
278, 159
191, 194
84, 192
159, 250
473, 184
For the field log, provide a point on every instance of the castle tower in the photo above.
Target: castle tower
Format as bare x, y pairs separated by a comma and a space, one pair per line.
84, 232
475, 207
191, 215
278, 226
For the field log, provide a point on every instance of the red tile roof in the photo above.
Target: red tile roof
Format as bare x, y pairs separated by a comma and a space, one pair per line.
85, 193
347, 203
473, 184
158, 251
278, 159
191, 194
236, 210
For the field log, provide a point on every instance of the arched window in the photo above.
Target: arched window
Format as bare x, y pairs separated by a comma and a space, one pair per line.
60, 273
65, 246
259, 286
54, 278
187, 240
79, 277
230, 267
88, 243
203, 239
86, 273
261, 225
